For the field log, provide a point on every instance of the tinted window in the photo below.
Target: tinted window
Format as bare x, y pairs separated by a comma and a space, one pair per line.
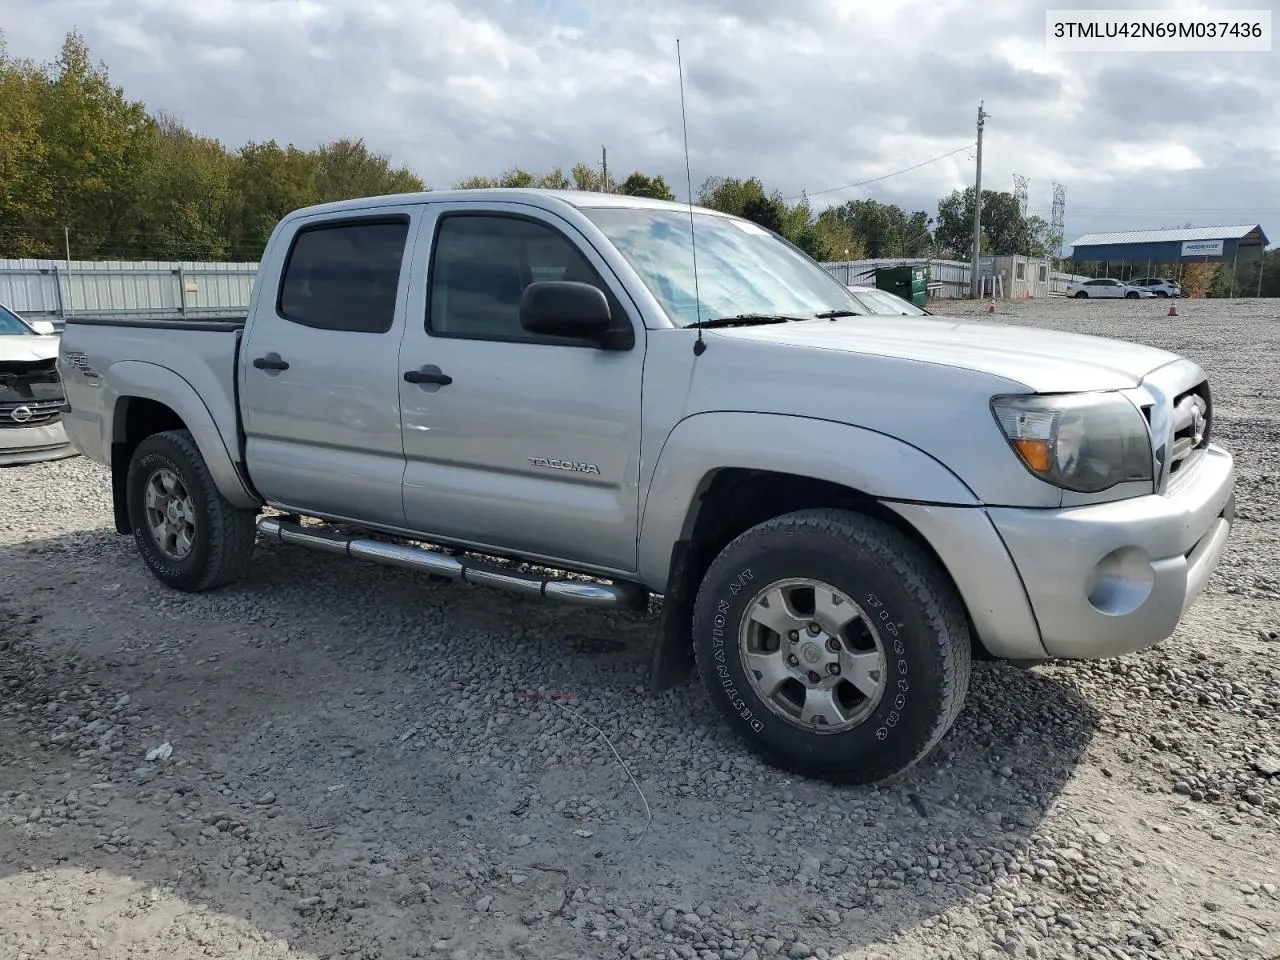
10, 325
344, 277
481, 266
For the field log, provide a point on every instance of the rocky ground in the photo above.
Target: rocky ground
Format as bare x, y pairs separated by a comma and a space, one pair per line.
335, 760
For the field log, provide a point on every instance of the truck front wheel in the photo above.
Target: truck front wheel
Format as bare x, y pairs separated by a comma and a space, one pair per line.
189, 536
832, 645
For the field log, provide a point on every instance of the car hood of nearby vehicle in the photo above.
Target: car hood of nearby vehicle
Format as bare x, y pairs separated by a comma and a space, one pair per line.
22, 347
1046, 361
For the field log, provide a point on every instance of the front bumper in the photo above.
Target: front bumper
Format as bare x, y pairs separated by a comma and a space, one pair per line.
1108, 579
20, 445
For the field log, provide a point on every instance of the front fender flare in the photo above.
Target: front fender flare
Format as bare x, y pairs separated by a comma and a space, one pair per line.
149, 381
872, 463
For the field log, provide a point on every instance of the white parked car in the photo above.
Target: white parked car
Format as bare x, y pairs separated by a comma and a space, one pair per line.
1160, 286
883, 303
1106, 287
30, 392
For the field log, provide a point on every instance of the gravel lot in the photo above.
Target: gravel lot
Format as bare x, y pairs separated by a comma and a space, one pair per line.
359, 764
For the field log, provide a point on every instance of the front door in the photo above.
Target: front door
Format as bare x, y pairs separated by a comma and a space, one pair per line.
513, 441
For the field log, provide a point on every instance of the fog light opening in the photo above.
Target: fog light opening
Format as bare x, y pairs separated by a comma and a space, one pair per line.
1121, 582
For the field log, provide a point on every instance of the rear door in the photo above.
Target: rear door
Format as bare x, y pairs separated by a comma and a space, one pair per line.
524, 444
319, 369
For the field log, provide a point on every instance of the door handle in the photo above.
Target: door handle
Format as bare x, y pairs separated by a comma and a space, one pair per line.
427, 375
271, 361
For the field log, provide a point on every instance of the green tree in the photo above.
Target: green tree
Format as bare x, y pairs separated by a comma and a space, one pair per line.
346, 169
266, 181
883, 229
642, 185
1004, 229
95, 141
24, 188
838, 238
516, 177
180, 211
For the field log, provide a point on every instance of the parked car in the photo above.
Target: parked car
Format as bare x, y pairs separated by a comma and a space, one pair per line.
1159, 286
527, 389
31, 428
883, 303
1105, 287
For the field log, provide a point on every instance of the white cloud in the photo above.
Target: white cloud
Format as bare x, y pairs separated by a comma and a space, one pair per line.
807, 95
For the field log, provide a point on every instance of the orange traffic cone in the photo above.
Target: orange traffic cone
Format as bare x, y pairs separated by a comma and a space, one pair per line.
1173, 311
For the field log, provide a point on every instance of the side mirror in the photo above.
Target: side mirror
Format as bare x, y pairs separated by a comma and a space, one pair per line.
565, 308
43, 327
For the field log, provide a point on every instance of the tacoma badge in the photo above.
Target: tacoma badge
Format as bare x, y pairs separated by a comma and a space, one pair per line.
572, 465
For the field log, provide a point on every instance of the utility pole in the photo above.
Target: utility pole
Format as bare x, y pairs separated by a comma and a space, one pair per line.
604, 169
975, 277
66, 239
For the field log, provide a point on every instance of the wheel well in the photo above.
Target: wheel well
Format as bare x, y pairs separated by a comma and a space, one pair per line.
136, 418
734, 500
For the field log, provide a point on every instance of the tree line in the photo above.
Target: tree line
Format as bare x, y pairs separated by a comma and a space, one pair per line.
84, 167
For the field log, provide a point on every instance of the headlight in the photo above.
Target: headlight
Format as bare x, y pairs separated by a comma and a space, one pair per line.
1086, 442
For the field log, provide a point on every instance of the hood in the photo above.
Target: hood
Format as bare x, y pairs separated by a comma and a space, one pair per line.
1045, 361
23, 347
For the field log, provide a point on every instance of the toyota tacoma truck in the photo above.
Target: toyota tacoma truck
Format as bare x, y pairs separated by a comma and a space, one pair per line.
597, 399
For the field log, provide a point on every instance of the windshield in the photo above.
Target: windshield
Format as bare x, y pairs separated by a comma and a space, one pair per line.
888, 304
10, 325
742, 268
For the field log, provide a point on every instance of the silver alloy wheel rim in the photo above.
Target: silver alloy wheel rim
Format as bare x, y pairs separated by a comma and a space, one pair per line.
171, 516
812, 655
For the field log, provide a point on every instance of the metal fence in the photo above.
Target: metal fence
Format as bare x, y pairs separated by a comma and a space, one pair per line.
57, 289
948, 279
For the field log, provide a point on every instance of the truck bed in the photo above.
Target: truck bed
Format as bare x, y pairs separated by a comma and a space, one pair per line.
118, 351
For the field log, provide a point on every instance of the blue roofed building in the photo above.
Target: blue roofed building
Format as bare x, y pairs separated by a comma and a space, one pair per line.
1234, 245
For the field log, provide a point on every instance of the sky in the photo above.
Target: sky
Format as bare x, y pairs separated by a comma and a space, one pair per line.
808, 95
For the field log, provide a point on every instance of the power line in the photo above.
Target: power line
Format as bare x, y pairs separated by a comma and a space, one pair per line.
863, 183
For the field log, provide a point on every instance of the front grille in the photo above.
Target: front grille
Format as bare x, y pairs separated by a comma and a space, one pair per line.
1192, 420
30, 413
30, 393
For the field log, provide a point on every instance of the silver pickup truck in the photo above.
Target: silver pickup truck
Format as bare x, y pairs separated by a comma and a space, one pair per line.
561, 395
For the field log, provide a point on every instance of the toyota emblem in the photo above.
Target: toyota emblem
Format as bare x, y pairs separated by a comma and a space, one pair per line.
1197, 424
22, 414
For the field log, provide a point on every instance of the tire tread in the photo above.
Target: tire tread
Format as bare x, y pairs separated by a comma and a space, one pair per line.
940, 605
231, 533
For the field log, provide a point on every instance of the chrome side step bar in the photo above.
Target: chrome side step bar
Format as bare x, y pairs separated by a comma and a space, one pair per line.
610, 596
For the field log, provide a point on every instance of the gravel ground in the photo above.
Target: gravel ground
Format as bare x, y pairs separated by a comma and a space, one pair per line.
354, 763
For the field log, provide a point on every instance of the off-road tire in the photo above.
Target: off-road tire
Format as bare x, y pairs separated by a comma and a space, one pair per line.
917, 612
222, 546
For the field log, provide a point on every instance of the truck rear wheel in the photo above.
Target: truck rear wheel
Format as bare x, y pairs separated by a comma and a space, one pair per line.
189, 536
832, 645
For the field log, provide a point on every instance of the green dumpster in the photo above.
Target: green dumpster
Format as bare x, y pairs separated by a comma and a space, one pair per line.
909, 283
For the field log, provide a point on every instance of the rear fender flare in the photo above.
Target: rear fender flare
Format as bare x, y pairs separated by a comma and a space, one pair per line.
148, 381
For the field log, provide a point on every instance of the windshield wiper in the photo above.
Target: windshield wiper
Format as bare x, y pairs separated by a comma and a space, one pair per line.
744, 320
836, 314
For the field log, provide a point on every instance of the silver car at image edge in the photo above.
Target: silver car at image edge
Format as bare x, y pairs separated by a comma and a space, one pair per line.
31, 397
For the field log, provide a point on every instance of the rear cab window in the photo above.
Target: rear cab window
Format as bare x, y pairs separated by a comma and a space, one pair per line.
344, 274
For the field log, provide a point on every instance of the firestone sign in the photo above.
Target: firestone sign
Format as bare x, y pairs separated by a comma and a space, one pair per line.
1202, 248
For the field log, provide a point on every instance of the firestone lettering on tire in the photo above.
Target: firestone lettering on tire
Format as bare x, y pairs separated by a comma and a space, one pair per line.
722, 667
893, 628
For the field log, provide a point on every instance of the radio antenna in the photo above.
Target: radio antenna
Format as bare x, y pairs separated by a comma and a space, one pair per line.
699, 345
